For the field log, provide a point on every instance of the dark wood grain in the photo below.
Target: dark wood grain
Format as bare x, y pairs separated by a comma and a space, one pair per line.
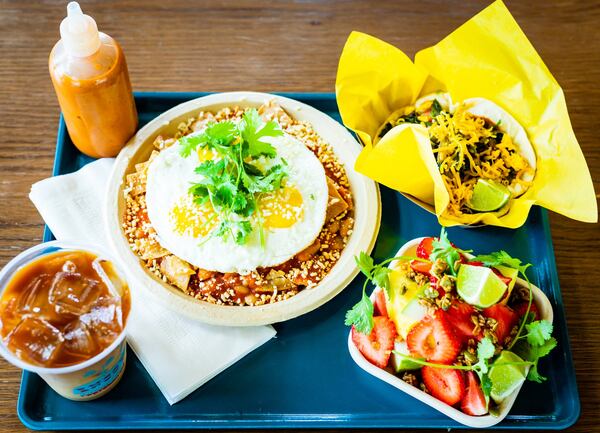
286, 46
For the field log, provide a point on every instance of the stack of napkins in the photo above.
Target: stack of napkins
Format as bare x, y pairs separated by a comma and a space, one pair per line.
179, 354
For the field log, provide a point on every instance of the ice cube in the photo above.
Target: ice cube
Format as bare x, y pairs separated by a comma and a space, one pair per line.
109, 275
69, 266
35, 340
105, 320
72, 293
33, 297
78, 339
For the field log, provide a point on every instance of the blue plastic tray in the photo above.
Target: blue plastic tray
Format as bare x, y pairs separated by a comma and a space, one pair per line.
305, 377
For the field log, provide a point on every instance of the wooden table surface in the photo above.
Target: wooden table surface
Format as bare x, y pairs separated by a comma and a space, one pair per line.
286, 46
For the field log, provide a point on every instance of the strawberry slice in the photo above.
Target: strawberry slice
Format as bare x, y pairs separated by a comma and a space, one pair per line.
522, 307
425, 248
377, 346
433, 339
459, 316
380, 307
473, 403
421, 267
445, 384
506, 319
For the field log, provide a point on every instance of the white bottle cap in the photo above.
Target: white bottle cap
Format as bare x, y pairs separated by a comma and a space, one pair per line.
79, 32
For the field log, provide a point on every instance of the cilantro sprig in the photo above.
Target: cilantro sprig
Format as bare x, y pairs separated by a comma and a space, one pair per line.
502, 258
537, 343
444, 250
232, 182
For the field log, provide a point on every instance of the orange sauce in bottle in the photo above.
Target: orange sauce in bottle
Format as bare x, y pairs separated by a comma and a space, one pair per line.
91, 80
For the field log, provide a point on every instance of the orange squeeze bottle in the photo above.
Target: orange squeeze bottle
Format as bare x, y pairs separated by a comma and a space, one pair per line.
91, 81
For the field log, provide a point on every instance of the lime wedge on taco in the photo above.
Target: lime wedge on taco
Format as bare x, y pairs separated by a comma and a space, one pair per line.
488, 196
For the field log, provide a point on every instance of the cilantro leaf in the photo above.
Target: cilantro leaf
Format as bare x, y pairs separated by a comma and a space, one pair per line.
254, 130
534, 375
436, 108
361, 315
444, 250
486, 385
238, 230
534, 355
241, 231
502, 258
539, 332
189, 143
365, 263
220, 134
534, 352
485, 351
381, 278
378, 274
215, 136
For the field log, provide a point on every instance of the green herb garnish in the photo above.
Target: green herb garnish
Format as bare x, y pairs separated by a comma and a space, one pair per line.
436, 108
232, 183
537, 343
444, 250
502, 258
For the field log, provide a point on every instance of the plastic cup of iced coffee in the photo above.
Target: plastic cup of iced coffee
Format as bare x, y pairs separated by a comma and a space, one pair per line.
63, 315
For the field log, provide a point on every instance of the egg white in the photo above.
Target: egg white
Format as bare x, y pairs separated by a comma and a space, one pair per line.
169, 178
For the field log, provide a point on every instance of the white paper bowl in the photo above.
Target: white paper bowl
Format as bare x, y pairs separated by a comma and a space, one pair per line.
546, 313
366, 218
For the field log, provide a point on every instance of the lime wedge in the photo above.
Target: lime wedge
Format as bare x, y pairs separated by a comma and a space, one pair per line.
506, 378
488, 196
400, 363
479, 285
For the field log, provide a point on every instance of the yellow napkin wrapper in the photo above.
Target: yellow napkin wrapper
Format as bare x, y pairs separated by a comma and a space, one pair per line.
490, 57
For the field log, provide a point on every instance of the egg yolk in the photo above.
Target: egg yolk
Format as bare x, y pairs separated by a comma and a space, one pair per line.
206, 154
191, 219
282, 208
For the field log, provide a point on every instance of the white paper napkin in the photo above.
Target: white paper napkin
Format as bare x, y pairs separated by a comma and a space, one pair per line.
179, 354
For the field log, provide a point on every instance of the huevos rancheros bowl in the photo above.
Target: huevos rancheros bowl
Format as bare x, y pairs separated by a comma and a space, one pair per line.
146, 274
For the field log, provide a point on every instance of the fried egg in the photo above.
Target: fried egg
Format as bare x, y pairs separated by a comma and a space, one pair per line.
292, 217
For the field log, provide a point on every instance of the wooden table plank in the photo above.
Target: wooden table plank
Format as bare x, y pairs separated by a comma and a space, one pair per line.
285, 46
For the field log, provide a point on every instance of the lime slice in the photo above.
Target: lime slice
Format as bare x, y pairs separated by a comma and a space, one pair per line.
488, 196
479, 285
506, 378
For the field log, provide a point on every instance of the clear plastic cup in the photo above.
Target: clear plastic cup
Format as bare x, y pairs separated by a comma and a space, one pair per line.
96, 376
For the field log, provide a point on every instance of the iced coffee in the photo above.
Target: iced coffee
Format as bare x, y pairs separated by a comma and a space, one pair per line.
63, 314
59, 310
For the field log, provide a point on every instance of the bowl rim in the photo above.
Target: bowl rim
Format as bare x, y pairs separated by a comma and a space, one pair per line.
366, 225
546, 313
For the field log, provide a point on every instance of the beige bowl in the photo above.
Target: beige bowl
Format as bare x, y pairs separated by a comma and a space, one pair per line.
366, 226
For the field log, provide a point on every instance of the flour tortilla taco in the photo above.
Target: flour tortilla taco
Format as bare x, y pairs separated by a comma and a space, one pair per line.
483, 154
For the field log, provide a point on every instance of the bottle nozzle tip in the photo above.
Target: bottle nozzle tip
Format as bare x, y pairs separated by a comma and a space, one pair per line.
73, 8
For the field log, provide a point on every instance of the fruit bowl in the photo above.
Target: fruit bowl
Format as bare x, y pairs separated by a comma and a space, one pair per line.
346, 148
545, 311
